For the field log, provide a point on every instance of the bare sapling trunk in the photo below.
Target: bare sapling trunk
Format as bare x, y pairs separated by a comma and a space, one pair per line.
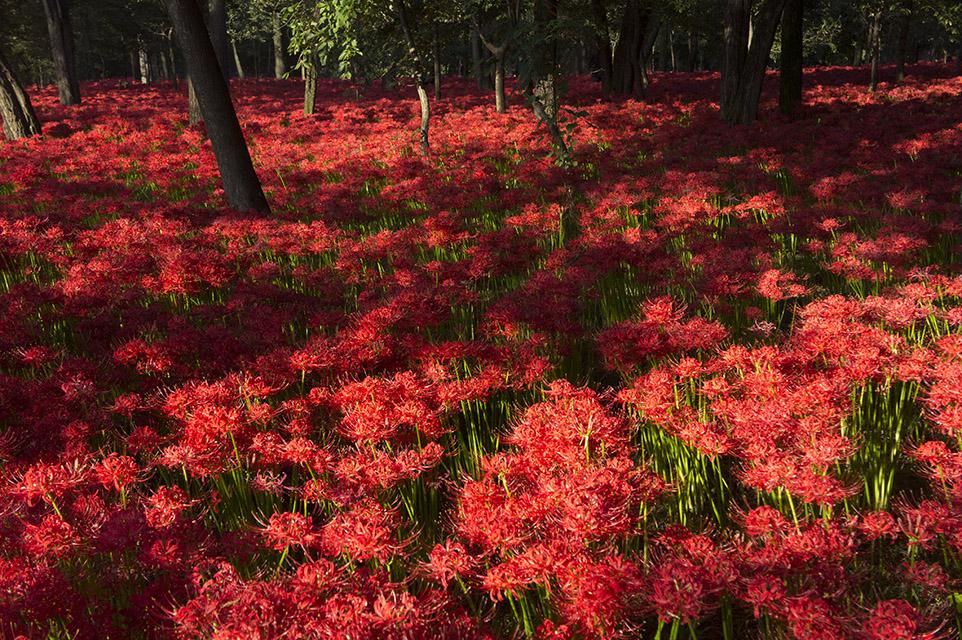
425, 119
237, 60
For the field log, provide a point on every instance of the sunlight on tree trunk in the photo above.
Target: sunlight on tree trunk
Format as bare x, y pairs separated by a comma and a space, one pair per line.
19, 118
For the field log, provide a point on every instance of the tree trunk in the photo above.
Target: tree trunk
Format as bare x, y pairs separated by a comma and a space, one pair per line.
875, 42
500, 100
241, 185
280, 62
626, 66
217, 25
958, 59
310, 89
545, 61
902, 50
425, 119
790, 72
737, 17
16, 110
173, 59
61, 44
605, 53
193, 106
671, 49
143, 64
740, 104
476, 66
692, 54
436, 54
237, 61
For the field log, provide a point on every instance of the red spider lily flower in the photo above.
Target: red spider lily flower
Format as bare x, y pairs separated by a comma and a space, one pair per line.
285, 530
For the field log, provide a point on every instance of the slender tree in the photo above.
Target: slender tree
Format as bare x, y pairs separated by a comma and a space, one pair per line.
61, 45
420, 78
19, 118
790, 72
902, 49
241, 185
875, 47
280, 61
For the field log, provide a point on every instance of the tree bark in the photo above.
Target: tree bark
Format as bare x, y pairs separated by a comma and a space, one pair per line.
241, 185
61, 44
875, 42
237, 61
425, 119
742, 86
544, 85
193, 106
280, 62
790, 73
901, 51
627, 76
143, 64
476, 67
436, 54
217, 24
735, 36
605, 53
420, 79
310, 89
16, 110
500, 100
958, 59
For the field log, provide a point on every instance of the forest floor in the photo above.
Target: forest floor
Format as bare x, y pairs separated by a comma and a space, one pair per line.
699, 382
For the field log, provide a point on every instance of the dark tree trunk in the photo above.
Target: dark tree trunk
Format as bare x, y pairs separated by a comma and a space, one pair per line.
310, 89
237, 61
692, 53
16, 110
627, 77
545, 63
241, 185
436, 54
737, 18
217, 24
740, 106
902, 50
875, 44
61, 44
790, 72
173, 58
280, 61
476, 67
958, 59
605, 53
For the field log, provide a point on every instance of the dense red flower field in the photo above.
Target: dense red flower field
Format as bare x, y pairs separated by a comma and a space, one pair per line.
705, 383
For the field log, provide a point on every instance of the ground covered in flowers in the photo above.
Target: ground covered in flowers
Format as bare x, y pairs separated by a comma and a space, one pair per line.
703, 382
